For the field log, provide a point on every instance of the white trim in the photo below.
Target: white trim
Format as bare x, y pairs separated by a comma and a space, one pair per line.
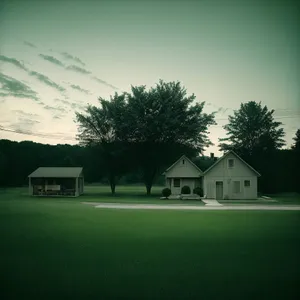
182, 157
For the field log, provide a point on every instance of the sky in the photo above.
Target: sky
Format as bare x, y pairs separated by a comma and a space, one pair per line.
58, 56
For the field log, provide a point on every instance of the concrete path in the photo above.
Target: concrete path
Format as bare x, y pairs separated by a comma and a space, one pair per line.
211, 202
191, 207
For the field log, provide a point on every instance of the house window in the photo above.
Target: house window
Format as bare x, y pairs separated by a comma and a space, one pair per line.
176, 182
236, 187
183, 161
246, 183
230, 163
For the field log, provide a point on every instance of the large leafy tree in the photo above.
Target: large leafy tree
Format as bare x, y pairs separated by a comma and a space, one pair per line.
151, 127
252, 130
161, 124
98, 131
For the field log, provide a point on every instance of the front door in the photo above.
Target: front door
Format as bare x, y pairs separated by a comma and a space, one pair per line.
219, 190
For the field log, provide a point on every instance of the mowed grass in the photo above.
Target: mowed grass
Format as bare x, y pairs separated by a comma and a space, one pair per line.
60, 248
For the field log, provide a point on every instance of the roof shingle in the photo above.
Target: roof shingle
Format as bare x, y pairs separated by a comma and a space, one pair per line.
70, 172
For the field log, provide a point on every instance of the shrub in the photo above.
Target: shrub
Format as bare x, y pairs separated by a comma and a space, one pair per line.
198, 191
166, 192
185, 190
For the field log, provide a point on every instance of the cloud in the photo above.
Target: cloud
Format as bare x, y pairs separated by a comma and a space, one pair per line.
62, 101
105, 83
30, 44
16, 88
78, 69
24, 125
71, 57
25, 114
13, 61
52, 60
47, 80
27, 121
78, 106
78, 88
56, 108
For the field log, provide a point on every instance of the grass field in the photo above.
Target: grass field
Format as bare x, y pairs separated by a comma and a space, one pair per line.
60, 248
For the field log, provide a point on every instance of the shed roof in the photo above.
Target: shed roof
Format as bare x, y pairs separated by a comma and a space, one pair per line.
70, 172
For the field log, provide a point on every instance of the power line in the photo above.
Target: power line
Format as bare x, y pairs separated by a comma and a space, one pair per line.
51, 136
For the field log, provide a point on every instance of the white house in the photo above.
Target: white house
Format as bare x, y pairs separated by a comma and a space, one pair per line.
230, 177
183, 172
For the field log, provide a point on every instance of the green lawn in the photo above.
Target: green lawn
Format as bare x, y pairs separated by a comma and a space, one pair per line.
59, 248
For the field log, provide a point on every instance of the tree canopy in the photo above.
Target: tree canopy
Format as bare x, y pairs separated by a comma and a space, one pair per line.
296, 145
252, 129
154, 126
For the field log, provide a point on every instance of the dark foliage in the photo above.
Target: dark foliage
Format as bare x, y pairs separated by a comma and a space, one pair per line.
198, 191
185, 190
166, 192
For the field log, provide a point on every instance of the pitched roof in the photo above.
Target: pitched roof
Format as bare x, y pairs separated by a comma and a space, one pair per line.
226, 154
71, 172
182, 157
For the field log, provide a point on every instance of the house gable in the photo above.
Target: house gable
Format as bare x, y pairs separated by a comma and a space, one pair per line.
231, 165
183, 168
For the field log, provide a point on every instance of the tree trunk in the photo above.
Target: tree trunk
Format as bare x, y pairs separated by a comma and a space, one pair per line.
148, 188
149, 181
112, 183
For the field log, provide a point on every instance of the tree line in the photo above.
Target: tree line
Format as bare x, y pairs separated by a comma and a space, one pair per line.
133, 137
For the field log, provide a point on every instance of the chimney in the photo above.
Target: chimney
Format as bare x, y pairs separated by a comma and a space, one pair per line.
212, 156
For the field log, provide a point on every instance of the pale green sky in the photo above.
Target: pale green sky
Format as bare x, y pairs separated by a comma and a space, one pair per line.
226, 52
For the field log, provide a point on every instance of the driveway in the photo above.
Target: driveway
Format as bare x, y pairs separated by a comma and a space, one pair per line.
191, 207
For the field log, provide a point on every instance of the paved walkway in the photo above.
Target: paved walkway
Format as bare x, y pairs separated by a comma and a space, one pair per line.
191, 207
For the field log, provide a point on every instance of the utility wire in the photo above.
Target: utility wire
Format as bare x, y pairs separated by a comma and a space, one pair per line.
65, 138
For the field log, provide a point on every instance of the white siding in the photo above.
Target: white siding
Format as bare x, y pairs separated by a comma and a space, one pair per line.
182, 170
240, 172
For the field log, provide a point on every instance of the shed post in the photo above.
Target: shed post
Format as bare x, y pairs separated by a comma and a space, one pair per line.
30, 187
82, 184
76, 187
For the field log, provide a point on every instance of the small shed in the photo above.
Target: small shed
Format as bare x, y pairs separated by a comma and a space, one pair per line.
56, 181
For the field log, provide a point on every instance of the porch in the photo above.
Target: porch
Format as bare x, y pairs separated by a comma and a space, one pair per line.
175, 184
71, 187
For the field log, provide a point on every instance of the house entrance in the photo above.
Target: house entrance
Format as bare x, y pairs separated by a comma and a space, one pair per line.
219, 190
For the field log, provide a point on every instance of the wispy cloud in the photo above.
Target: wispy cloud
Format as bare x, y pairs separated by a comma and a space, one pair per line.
78, 106
24, 125
47, 80
71, 57
52, 60
16, 88
55, 108
78, 88
30, 44
13, 61
62, 101
105, 83
78, 69
25, 114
